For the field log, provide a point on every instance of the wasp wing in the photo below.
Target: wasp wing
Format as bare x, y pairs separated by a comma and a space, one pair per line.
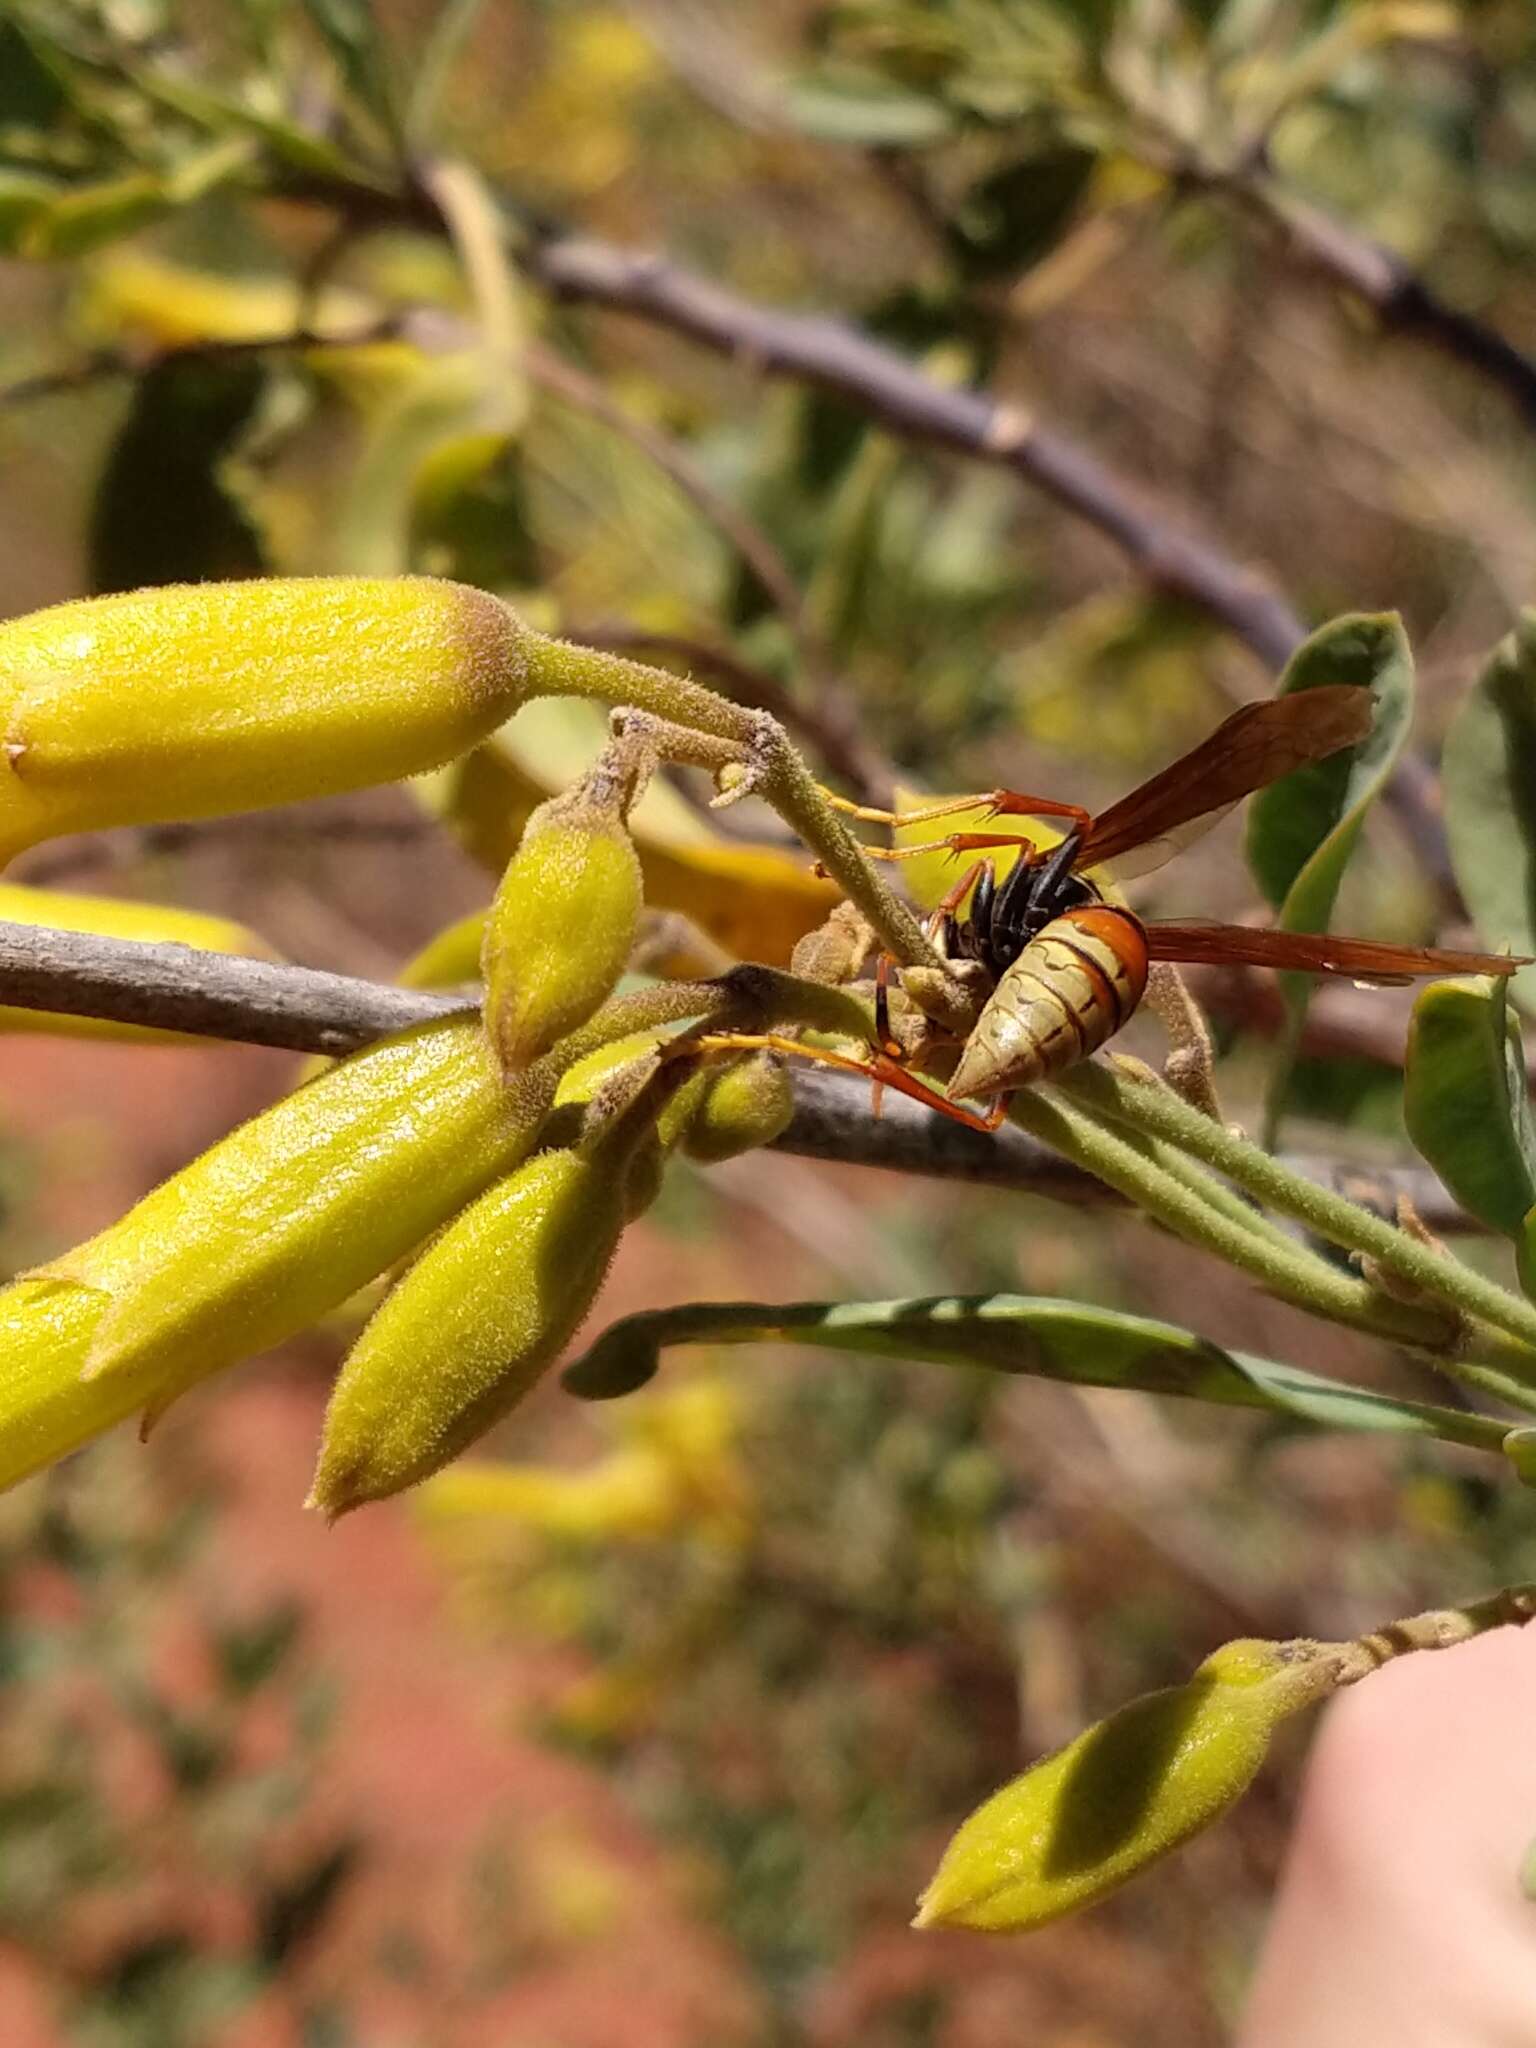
1252, 748
1239, 945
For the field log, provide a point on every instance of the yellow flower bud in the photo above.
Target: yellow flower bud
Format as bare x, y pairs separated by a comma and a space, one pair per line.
1124, 1793
291, 1213
559, 933
473, 1325
113, 918
47, 1408
746, 1106
206, 698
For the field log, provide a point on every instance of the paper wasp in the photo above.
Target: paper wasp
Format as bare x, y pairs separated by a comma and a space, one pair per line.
1067, 967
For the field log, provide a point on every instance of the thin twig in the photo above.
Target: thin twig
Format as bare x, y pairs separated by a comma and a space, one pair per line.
257, 1002
832, 734
755, 548
1402, 300
213, 995
104, 363
882, 383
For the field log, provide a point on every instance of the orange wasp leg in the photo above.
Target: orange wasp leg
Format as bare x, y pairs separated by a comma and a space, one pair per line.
952, 899
954, 845
999, 803
881, 1068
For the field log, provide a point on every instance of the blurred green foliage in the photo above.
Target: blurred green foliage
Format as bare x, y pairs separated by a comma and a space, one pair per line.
162, 1860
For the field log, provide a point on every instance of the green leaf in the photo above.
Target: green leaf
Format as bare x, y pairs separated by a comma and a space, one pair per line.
1014, 216
162, 513
1027, 1334
31, 98
1466, 1102
1520, 1449
25, 201
470, 517
79, 218
1303, 829
303, 148
351, 33
434, 61
1489, 772
867, 114
85, 217
448, 427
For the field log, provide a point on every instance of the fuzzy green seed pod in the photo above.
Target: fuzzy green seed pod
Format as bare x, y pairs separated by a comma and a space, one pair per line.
490, 1304
748, 1105
559, 933
1125, 1792
200, 699
471, 1328
299, 1207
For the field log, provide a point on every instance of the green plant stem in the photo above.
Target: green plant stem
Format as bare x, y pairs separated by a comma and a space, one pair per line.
1284, 1269
1131, 1094
748, 998
559, 668
1440, 1628
1209, 1189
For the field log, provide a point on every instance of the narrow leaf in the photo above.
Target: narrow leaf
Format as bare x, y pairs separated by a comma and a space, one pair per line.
1303, 829
1031, 1335
1466, 1103
1489, 773
351, 33
162, 513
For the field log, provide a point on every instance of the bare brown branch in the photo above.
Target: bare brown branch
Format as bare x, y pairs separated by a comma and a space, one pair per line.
221, 995
213, 995
1403, 301
881, 382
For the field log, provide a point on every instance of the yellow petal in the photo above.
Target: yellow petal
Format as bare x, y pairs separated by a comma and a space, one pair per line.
201, 699
291, 1213
111, 917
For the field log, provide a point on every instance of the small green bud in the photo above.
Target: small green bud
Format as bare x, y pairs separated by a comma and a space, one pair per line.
1124, 1792
201, 699
643, 1178
559, 933
747, 1105
472, 1326
298, 1208
836, 950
